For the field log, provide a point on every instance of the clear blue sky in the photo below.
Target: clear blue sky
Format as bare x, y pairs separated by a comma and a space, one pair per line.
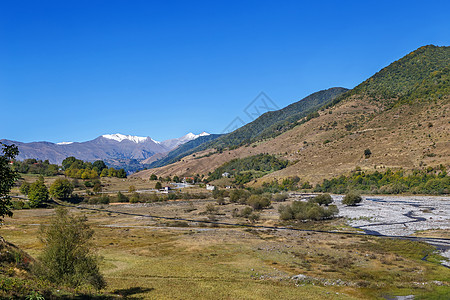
73, 70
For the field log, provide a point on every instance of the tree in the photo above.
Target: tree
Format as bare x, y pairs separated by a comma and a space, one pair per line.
7, 178
158, 185
351, 199
97, 187
104, 173
258, 202
25, 188
176, 178
99, 166
61, 188
67, 257
38, 193
153, 177
121, 173
367, 153
67, 162
112, 172
323, 199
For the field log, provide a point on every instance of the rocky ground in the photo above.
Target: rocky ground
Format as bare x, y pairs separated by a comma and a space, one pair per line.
400, 216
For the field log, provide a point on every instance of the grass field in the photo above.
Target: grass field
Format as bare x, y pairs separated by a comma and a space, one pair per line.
159, 259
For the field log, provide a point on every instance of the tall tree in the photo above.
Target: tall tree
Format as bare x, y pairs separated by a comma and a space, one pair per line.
38, 193
7, 178
99, 165
61, 188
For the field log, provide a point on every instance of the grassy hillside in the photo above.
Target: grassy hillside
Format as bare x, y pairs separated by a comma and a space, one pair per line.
401, 114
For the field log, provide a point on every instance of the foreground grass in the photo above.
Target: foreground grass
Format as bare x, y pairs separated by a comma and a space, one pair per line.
143, 261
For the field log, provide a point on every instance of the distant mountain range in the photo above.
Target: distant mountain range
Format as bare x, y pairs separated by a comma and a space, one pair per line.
118, 150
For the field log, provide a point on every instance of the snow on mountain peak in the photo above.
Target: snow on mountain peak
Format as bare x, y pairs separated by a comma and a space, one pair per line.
121, 137
191, 136
64, 143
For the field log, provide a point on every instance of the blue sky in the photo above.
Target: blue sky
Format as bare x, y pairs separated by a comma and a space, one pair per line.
73, 70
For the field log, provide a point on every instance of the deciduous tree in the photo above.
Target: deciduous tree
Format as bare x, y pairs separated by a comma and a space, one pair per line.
7, 178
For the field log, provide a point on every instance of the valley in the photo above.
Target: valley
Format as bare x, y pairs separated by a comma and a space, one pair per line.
340, 195
148, 257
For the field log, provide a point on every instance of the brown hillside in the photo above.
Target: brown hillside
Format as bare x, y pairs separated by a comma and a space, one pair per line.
408, 136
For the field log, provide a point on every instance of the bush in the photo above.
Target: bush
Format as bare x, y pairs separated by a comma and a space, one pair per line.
254, 217
323, 199
121, 197
99, 200
67, 257
258, 202
307, 211
351, 199
135, 198
240, 196
211, 209
280, 197
245, 212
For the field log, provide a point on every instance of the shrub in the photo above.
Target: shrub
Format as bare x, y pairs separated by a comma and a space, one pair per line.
211, 209
351, 199
307, 211
245, 212
240, 196
67, 257
121, 197
254, 217
258, 202
99, 200
280, 197
323, 199
135, 198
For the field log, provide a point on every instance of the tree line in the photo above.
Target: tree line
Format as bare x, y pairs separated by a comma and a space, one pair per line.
433, 180
244, 170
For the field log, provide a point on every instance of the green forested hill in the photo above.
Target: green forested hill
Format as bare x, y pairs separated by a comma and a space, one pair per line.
422, 73
401, 76
273, 123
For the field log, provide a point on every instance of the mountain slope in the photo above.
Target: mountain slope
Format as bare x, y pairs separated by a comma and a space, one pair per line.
116, 149
181, 151
268, 125
272, 123
403, 124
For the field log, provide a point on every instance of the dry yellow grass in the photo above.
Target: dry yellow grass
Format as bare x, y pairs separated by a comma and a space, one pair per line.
145, 258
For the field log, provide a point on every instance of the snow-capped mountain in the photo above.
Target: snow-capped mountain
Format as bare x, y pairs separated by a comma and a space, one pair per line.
108, 147
121, 137
173, 143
